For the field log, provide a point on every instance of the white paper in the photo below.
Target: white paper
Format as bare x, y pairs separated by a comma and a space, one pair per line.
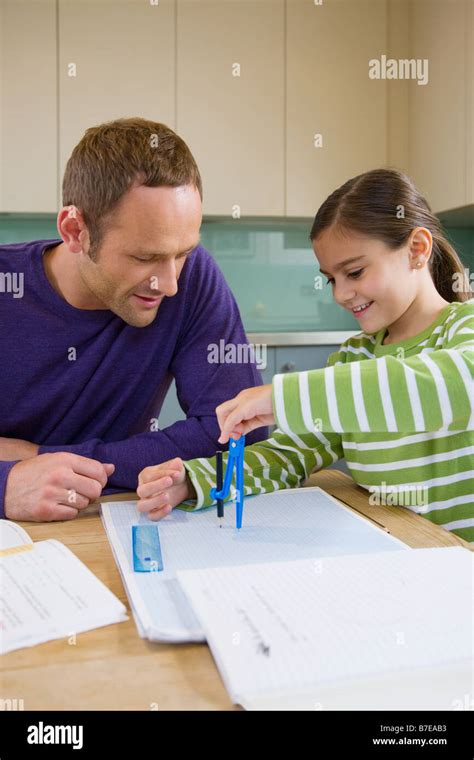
12, 535
294, 627
447, 687
284, 525
47, 593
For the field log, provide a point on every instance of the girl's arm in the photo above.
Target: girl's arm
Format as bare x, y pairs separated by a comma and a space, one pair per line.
282, 461
427, 392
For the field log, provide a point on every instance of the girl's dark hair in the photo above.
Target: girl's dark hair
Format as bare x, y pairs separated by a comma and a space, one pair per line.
385, 204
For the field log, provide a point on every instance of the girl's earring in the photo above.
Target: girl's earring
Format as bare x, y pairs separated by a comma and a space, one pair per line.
419, 263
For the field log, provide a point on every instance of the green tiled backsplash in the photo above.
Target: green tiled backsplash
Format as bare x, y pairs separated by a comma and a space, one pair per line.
269, 265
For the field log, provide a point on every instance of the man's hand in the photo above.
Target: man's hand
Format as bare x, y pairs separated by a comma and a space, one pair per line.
53, 486
250, 409
162, 487
12, 449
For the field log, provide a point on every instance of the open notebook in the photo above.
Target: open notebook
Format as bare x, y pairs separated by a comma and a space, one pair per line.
47, 593
375, 631
285, 525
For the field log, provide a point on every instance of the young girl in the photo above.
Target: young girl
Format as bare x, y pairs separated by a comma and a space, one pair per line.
396, 400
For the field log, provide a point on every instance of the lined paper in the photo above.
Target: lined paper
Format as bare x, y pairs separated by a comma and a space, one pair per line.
48, 593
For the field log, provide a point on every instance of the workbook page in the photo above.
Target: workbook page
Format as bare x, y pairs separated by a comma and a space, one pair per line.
295, 625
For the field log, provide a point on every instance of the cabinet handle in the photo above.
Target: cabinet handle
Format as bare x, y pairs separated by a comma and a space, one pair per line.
288, 367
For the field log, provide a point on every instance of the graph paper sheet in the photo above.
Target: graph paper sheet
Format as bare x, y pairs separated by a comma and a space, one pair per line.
286, 525
299, 626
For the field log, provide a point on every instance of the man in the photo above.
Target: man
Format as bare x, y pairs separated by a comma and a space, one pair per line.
126, 300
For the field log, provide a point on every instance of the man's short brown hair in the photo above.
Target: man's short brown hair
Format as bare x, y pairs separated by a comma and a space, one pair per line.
111, 157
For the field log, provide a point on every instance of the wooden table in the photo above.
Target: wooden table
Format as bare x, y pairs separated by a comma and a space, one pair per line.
112, 668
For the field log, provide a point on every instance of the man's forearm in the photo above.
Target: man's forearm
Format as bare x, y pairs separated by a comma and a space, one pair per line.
5, 468
16, 449
187, 439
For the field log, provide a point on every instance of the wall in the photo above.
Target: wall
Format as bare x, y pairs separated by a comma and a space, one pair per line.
270, 267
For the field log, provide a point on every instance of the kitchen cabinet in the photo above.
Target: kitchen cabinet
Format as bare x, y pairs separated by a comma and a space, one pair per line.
247, 85
273, 97
28, 106
116, 59
301, 358
440, 114
336, 115
230, 102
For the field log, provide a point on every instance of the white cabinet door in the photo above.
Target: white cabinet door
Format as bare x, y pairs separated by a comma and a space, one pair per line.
329, 93
230, 90
438, 111
116, 59
28, 106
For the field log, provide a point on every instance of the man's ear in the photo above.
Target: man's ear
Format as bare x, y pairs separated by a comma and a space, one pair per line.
72, 229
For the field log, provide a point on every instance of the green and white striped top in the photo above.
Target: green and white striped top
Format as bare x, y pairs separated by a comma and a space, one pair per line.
401, 414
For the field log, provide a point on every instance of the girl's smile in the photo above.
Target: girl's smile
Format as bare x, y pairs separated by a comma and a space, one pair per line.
359, 311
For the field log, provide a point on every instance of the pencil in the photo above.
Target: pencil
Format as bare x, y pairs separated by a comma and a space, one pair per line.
219, 485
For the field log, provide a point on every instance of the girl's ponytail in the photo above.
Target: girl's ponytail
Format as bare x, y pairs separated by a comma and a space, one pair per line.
447, 271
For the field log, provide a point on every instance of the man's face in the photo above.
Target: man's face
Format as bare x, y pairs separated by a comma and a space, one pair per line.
140, 257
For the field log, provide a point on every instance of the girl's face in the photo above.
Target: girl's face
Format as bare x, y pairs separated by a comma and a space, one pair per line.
376, 284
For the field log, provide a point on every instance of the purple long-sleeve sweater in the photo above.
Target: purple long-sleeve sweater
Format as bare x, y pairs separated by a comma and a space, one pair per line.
86, 382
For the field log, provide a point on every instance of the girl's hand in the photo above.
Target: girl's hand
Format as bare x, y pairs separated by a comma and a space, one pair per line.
162, 487
252, 408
